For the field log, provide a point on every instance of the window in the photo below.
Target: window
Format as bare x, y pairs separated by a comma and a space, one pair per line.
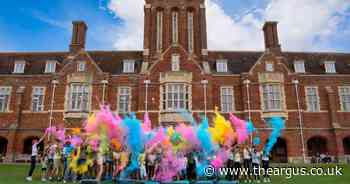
129, 66
312, 99
190, 31
124, 95
38, 95
175, 97
330, 67
5, 93
299, 66
50, 67
227, 102
175, 62
79, 97
159, 30
19, 67
81, 66
175, 36
272, 97
344, 94
221, 65
269, 67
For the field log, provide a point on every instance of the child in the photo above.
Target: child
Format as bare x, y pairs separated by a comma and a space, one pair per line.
57, 163
44, 160
256, 163
265, 163
142, 163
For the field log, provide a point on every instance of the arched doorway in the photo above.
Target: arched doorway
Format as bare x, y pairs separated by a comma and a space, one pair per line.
316, 146
346, 145
27, 145
279, 152
3, 147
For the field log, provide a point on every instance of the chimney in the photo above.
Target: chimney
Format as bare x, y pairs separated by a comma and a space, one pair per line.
271, 36
78, 36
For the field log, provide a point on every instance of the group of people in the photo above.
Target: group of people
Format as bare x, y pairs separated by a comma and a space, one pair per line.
65, 162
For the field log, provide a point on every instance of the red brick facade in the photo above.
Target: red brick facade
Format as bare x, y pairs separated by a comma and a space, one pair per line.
326, 130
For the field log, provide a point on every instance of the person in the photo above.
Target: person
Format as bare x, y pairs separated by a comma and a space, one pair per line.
237, 164
247, 163
44, 162
191, 167
34, 154
50, 161
67, 153
255, 164
151, 157
230, 163
57, 163
265, 164
142, 164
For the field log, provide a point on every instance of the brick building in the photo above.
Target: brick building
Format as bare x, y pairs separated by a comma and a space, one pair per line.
175, 70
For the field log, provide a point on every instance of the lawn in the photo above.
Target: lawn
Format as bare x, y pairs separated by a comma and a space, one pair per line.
15, 174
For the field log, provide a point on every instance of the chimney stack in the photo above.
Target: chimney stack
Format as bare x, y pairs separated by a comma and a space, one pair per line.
271, 36
78, 36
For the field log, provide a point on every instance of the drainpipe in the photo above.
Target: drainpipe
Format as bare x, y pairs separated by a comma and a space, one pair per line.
54, 84
104, 85
146, 82
247, 85
296, 82
205, 83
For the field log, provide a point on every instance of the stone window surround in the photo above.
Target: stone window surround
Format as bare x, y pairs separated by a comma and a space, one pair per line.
43, 101
308, 108
129, 100
221, 98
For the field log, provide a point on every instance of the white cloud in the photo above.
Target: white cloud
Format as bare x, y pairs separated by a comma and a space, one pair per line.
303, 24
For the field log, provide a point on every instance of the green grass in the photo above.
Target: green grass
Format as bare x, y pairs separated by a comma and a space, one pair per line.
15, 174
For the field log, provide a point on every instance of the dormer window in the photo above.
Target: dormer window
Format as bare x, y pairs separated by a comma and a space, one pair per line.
19, 67
299, 66
128, 66
221, 65
329, 67
175, 62
269, 67
50, 67
81, 66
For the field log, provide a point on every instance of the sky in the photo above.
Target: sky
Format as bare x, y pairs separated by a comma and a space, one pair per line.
304, 25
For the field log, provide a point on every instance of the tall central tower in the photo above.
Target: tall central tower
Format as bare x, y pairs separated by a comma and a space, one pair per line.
175, 23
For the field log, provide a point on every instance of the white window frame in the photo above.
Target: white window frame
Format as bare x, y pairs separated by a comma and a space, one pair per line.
227, 99
19, 67
50, 67
5, 95
312, 102
329, 67
221, 66
79, 94
269, 67
175, 62
175, 97
299, 66
190, 27
38, 98
175, 26
159, 32
81, 66
124, 91
270, 99
344, 98
128, 66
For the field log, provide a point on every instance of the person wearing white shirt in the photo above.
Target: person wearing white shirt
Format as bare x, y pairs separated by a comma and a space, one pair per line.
237, 164
265, 164
255, 163
34, 154
247, 161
